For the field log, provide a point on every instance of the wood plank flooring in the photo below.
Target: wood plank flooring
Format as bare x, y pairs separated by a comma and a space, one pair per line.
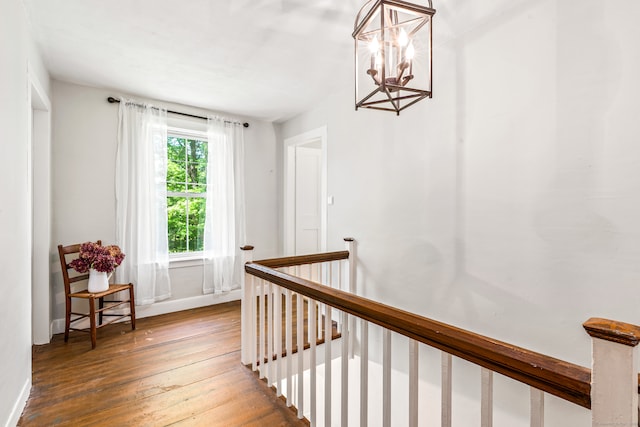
179, 369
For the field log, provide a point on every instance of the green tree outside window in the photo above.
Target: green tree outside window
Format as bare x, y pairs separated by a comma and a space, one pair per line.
186, 193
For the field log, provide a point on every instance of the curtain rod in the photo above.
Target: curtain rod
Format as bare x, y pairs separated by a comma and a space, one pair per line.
112, 100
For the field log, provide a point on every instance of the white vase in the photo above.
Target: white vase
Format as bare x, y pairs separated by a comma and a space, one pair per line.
98, 281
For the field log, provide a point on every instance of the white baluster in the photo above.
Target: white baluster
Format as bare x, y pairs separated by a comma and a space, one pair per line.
253, 301
327, 366
278, 338
537, 407
446, 390
300, 345
344, 381
342, 326
364, 374
313, 337
413, 383
486, 398
289, 334
386, 378
330, 275
261, 335
270, 367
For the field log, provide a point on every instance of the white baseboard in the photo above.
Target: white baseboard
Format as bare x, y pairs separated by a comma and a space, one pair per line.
170, 306
57, 326
19, 404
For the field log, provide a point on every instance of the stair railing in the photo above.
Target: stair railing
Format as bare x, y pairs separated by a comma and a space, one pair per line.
265, 304
609, 388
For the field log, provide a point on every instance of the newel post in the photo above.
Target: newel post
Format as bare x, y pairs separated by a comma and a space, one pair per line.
350, 244
614, 373
246, 306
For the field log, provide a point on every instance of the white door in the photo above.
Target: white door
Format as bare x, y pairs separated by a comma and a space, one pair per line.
305, 193
308, 174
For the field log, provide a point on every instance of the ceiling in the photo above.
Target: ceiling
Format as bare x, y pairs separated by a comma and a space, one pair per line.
268, 59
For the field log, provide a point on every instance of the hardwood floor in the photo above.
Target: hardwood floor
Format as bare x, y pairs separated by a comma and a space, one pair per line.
179, 369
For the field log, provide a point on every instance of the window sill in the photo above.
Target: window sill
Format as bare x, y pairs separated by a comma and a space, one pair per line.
185, 261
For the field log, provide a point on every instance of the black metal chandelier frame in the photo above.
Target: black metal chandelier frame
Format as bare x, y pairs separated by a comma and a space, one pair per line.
396, 93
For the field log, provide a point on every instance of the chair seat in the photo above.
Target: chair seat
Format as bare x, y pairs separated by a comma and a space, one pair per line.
112, 289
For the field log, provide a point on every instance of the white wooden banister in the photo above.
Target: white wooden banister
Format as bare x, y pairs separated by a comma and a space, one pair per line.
322, 288
614, 378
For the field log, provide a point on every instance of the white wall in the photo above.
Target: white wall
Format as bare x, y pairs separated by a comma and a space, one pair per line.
509, 203
17, 54
84, 150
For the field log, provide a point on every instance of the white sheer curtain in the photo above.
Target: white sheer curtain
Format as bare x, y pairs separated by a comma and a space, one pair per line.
141, 201
225, 223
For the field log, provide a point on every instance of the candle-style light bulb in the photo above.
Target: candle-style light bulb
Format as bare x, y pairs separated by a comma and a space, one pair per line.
403, 39
410, 52
374, 45
374, 48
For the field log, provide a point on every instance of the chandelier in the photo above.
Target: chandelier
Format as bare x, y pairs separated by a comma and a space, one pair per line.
393, 50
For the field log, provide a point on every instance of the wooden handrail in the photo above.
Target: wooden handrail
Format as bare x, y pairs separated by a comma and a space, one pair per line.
291, 261
563, 379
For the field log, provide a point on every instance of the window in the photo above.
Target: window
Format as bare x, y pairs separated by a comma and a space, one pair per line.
186, 190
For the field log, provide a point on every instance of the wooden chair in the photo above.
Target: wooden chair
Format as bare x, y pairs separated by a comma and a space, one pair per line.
103, 305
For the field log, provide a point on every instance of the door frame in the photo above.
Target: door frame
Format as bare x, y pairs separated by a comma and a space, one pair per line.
290, 144
39, 207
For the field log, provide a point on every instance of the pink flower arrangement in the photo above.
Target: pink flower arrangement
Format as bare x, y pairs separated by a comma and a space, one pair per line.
97, 257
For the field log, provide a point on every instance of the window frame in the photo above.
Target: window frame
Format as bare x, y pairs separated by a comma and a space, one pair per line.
190, 258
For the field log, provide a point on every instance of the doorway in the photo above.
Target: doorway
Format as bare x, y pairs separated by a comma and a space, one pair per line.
305, 193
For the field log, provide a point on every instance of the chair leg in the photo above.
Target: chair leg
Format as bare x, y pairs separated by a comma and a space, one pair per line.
92, 321
101, 306
67, 319
132, 307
